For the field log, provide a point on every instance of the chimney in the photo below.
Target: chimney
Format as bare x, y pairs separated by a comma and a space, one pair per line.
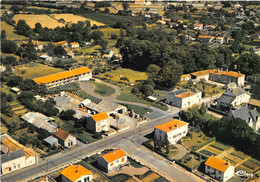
176, 125
77, 168
227, 70
221, 69
218, 70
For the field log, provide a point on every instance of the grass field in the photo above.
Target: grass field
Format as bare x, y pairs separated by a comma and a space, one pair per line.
10, 35
43, 8
45, 20
130, 74
127, 96
75, 18
102, 89
138, 109
34, 70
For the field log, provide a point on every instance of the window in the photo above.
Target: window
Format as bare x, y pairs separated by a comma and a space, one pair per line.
123, 160
111, 164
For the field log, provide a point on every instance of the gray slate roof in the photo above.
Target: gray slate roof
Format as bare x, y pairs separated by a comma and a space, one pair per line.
177, 92
51, 140
244, 113
238, 91
13, 155
228, 97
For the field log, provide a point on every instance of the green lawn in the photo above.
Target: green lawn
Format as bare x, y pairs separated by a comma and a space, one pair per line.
84, 95
34, 70
102, 89
137, 109
124, 72
10, 35
127, 96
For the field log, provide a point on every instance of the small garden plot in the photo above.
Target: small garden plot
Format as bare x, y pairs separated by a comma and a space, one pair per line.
233, 158
150, 177
234, 163
190, 161
206, 152
196, 139
220, 146
120, 177
252, 165
137, 109
239, 154
213, 150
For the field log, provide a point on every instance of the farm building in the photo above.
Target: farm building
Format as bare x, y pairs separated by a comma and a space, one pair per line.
45, 58
61, 43
205, 38
111, 108
98, 123
52, 141
40, 121
15, 156
227, 77
65, 77
219, 169
74, 45
112, 161
108, 54
76, 173
183, 98
174, 130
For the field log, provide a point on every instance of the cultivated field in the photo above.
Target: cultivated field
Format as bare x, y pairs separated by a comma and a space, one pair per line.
34, 70
45, 20
75, 18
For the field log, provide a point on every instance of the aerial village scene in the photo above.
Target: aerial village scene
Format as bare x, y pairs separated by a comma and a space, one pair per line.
130, 91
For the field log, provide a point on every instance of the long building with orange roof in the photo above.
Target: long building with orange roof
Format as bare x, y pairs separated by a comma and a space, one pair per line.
15, 156
65, 77
174, 130
112, 161
219, 169
183, 98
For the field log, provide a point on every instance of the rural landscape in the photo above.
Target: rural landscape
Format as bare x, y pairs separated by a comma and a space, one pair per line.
129, 91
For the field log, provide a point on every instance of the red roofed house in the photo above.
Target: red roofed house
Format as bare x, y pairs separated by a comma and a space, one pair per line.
219, 169
183, 98
76, 173
112, 161
227, 77
65, 77
174, 130
98, 123
64, 138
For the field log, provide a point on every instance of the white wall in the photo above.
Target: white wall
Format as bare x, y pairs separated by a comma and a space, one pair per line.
15, 164
85, 76
70, 139
243, 98
101, 123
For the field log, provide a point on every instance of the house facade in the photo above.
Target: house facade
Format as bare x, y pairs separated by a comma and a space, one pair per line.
185, 77
250, 116
183, 98
205, 38
64, 138
15, 156
76, 173
233, 98
65, 77
227, 77
98, 123
74, 45
112, 161
219, 169
174, 130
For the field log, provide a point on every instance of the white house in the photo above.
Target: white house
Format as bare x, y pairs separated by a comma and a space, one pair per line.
74, 45
99, 122
233, 97
112, 161
45, 58
220, 40
219, 169
183, 98
250, 116
64, 138
108, 54
174, 130
76, 173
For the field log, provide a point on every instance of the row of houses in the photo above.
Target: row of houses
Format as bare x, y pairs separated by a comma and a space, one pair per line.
15, 156
218, 76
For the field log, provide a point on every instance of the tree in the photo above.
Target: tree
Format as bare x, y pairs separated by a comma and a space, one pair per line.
203, 108
147, 90
14, 81
3, 35
248, 64
125, 79
114, 36
107, 11
38, 28
21, 51
8, 46
24, 29
125, 5
29, 85
170, 74
67, 115
152, 71
60, 51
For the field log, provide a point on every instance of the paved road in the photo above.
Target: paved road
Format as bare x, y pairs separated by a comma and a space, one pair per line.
53, 161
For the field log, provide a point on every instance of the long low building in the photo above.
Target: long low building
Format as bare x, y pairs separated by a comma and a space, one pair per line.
65, 77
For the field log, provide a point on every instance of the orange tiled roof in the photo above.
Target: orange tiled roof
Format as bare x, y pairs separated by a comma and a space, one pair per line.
205, 36
197, 24
62, 134
186, 94
229, 73
185, 76
61, 42
113, 155
100, 116
61, 75
74, 172
74, 43
13, 145
171, 125
217, 163
220, 37
204, 72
